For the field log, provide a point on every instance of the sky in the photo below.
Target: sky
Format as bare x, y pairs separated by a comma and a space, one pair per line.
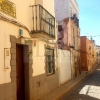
89, 17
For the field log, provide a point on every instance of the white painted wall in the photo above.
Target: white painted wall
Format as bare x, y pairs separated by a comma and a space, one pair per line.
62, 9
64, 66
39, 58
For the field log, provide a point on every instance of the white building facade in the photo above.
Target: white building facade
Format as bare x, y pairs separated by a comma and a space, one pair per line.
65, 9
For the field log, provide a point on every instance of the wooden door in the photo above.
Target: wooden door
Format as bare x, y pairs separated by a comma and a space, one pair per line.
20, 73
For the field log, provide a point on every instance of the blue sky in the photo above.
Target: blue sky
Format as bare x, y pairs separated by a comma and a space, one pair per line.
90, 18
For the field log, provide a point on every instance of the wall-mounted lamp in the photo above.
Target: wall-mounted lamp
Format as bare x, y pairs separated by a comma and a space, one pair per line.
20, 32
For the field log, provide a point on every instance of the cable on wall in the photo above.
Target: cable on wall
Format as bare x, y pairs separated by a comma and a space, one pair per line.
4, 18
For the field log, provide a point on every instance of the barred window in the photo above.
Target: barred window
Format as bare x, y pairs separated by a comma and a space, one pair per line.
50, 68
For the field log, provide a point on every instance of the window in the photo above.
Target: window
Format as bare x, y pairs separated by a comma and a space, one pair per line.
73, 36
50, 69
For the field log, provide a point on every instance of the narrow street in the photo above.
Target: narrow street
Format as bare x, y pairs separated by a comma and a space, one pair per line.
87, 89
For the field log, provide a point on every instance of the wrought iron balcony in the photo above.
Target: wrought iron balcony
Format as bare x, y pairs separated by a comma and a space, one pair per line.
43, 23
75, 19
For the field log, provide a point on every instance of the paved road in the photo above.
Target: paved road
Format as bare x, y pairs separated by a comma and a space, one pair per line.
87, 89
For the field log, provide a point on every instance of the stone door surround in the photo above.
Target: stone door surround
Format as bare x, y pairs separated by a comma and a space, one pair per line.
15, 41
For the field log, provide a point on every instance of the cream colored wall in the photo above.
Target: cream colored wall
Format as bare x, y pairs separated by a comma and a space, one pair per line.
48, 5
39, 2
39, 50
24, 16
64, 64
7, 29
39, 58
23, 12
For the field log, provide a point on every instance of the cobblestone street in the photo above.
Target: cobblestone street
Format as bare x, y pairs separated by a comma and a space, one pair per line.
87, 89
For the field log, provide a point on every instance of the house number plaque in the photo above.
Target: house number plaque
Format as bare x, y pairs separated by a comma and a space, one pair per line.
8, 7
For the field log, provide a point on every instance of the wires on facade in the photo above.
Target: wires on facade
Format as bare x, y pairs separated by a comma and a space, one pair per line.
4, 18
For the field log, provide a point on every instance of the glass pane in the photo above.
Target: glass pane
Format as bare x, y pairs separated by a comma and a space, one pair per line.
51, 59
47, 67
50, 69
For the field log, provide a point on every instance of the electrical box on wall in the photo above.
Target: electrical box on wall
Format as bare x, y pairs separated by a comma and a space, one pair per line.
6, 58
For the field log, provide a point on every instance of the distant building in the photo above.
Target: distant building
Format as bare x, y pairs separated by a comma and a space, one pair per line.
65, 9
67, 12
98, 53
88, 53
98, 49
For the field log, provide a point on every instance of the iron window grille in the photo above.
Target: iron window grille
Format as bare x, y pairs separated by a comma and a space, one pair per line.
50, 68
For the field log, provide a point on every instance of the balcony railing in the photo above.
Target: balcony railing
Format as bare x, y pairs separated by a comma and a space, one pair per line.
76, 20
43, 22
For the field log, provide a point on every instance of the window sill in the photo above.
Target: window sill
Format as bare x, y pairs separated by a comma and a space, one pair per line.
50, 74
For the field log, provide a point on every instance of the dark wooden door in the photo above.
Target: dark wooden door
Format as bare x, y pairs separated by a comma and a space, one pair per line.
20, 72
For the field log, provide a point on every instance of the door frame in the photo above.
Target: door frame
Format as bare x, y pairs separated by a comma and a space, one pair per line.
13, 73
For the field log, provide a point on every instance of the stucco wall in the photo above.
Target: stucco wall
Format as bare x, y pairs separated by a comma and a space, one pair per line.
24, 16
74, 6
62, 9
64, 64
7, 29
40, 83
23, 12
45, 4
49, 5
86, 53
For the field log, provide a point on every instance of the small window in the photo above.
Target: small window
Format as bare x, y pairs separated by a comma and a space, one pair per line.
50, 69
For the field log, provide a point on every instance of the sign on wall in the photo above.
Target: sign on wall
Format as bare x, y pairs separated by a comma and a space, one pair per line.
8, 7
6, 58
